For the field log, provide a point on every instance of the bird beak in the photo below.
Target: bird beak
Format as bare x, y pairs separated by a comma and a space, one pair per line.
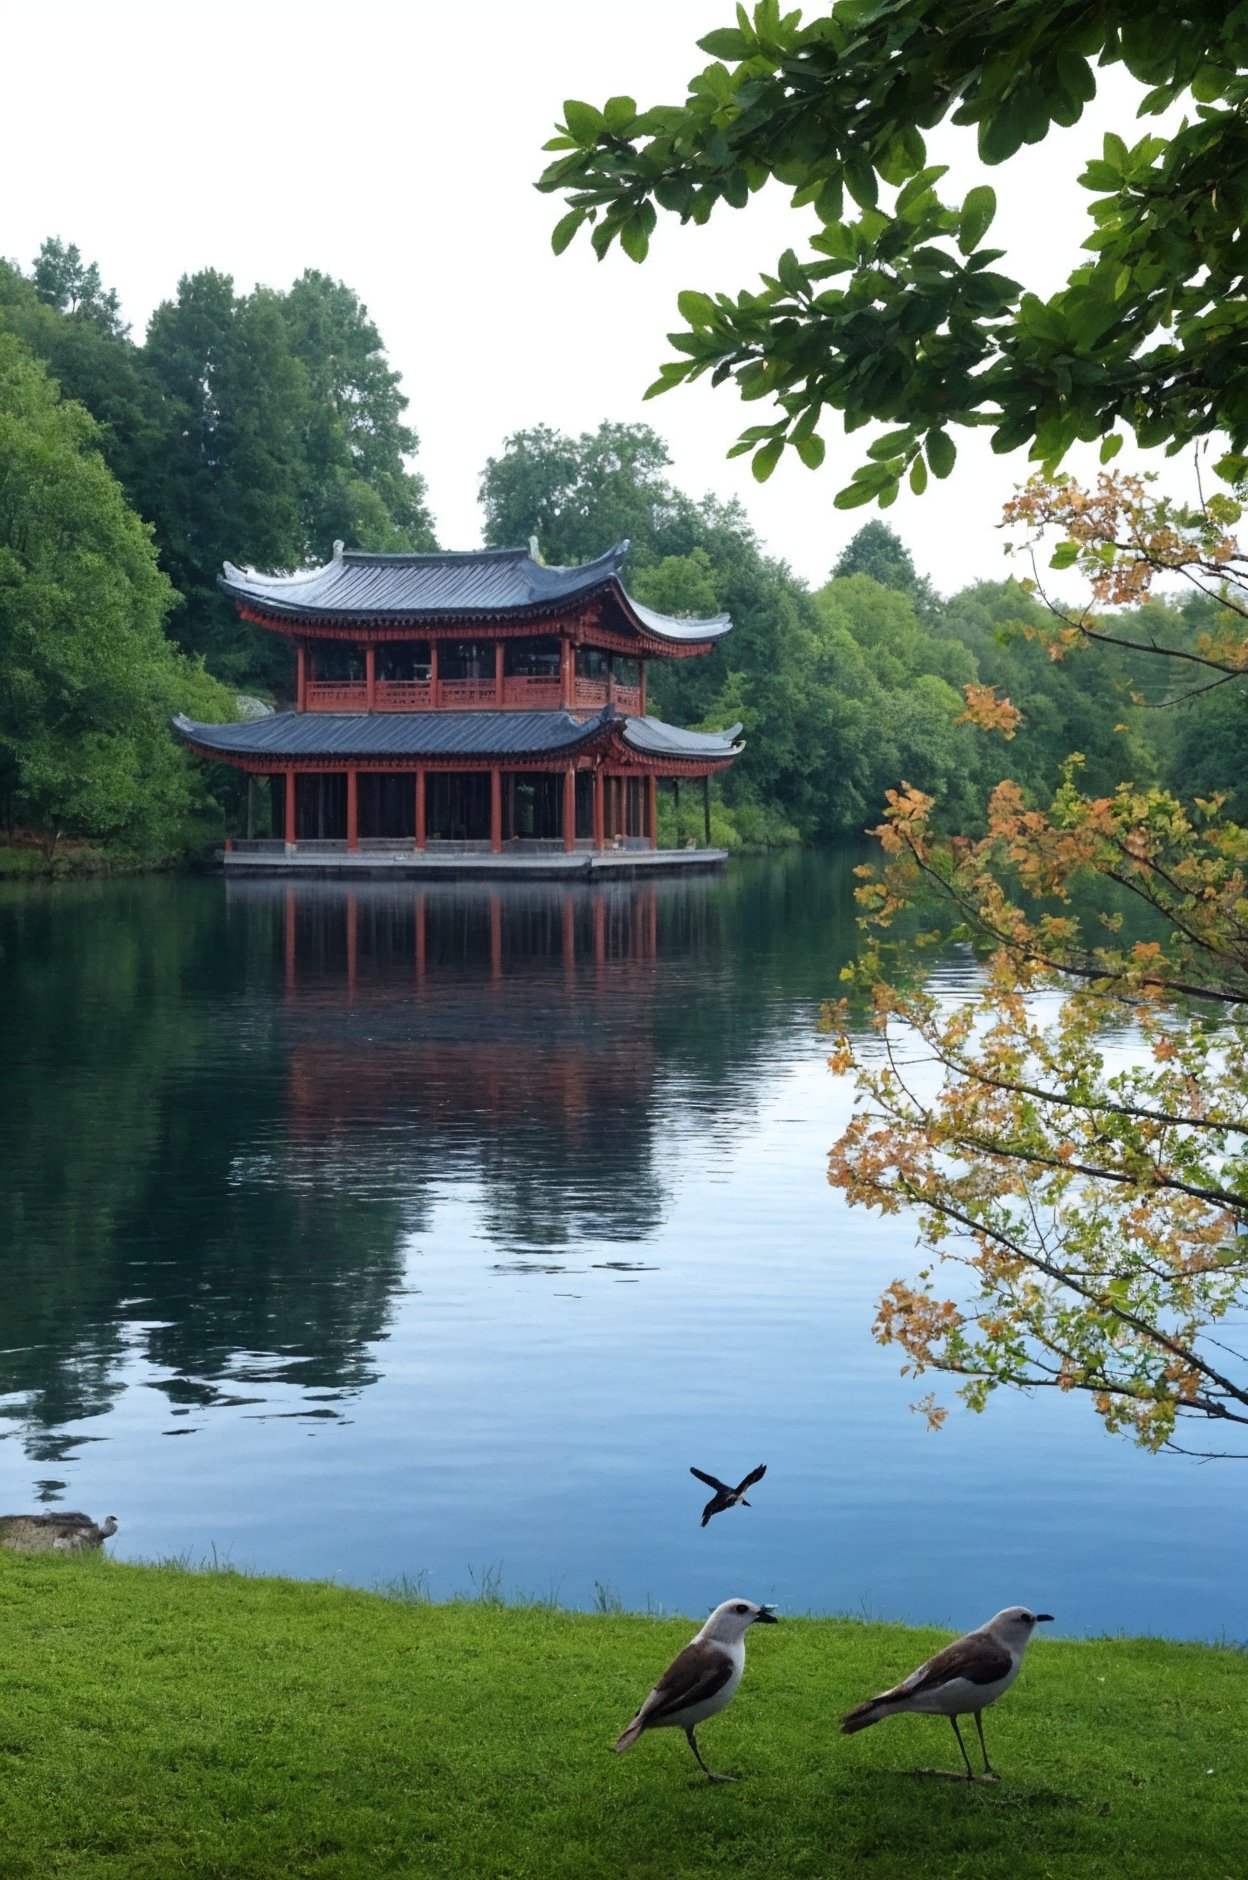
765, 1616
1043, 1618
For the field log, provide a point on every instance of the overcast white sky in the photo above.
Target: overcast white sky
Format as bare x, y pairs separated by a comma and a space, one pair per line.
395, 148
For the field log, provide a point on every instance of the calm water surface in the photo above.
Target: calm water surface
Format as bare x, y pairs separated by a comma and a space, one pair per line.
388, 1230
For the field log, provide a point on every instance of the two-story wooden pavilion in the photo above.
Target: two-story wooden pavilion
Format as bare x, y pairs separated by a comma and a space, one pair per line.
478, 704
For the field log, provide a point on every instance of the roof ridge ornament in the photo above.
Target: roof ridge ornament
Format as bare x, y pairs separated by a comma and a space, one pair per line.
339, 545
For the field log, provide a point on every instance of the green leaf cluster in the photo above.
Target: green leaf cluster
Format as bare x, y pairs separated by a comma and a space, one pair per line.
898, 314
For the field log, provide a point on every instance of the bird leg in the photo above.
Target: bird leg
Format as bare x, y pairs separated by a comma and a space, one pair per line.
709, 1773
970, 1773
988, 1768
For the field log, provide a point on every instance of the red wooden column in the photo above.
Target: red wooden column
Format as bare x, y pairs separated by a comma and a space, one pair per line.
420, 808
498, 674
301, 679
370, 677
496, 810
567, 667
652, 808
434, 698
599, 817
642, 664
569, 809
353, 807
290, 808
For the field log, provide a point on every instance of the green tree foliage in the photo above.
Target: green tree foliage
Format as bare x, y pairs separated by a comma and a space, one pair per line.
88, 679
256, 428
358, 486
102, 370
283, 432
63, 280
899, 311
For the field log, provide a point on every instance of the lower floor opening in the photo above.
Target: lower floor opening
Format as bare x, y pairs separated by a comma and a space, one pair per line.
474, 806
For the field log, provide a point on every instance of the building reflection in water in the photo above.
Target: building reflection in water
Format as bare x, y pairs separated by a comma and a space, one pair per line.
229, 1115
507, 1039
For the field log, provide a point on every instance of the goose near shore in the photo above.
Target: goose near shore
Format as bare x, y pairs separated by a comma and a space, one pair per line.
62, 1532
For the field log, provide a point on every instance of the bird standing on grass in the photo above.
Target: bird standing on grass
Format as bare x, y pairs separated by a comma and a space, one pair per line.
702, 1678
966, 1676
725, 1497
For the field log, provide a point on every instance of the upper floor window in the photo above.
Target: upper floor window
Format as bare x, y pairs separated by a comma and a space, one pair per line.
465, 659
531, 659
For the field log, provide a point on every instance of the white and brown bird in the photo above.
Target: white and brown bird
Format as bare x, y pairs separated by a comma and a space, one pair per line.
702, 1678
724, 1496
968, 1675
61, 1532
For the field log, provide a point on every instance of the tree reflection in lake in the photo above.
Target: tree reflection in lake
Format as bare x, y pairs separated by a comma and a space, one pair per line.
226, 1110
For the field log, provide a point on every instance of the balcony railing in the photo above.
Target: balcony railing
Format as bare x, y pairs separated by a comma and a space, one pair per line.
334, 695
521, 691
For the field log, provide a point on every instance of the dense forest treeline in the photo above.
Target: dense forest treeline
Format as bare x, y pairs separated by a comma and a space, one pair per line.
261, 427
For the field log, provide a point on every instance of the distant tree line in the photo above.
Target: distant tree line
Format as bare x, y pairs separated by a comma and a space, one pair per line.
849, 689
261, 427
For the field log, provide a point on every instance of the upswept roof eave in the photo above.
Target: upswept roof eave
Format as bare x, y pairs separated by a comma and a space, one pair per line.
478, 584
667, 629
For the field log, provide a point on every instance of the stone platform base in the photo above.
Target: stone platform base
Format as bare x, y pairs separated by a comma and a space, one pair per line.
379, 862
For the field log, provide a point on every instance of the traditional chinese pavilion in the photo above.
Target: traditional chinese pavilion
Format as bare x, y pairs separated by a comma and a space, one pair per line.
464, 705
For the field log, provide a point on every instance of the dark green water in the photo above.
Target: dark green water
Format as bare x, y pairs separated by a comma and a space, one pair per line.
384, 1230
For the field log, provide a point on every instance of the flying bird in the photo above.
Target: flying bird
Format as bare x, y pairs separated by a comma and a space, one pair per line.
702, 1678
968, 1675
61, 1532
725, 1497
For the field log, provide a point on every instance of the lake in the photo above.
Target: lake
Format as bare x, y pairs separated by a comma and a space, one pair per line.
390, 1230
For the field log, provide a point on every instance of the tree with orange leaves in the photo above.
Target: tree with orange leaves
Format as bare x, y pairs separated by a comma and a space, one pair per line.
1074, 1134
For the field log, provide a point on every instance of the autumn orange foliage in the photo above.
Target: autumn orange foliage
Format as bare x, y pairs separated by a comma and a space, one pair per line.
1073, 1133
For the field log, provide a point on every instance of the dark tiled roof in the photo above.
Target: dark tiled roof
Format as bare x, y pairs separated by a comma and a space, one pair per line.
443, 734
491, 581
656, 739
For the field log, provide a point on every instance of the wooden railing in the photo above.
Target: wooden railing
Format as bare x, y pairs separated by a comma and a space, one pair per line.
403, 695
521, 691
597, 692
336, 695
536, 691
466, 694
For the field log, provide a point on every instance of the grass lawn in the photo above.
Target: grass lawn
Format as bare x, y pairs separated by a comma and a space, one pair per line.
156, 1724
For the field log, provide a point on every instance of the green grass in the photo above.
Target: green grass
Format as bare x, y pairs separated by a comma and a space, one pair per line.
157, 1724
